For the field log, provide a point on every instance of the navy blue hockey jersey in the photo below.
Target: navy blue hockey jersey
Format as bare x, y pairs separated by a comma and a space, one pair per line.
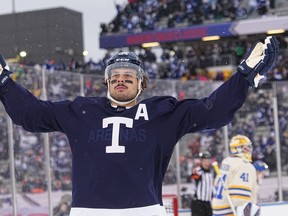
120, 155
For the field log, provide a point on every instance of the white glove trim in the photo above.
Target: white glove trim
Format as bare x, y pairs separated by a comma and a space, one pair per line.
257, 79
256, 55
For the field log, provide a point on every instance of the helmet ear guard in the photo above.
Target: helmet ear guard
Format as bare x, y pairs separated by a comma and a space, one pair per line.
241, 146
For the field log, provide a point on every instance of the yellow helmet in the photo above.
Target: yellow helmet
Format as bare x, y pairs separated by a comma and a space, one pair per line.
241, 146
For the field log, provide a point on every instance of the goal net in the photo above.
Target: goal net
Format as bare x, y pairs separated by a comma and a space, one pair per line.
170, 203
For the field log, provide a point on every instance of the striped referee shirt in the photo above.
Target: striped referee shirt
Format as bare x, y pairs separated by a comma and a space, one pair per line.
204, 184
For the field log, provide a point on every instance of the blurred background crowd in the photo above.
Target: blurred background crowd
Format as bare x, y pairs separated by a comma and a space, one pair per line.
191, 60
181, 71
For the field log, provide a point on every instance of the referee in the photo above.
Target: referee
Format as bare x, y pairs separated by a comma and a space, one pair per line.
203, 178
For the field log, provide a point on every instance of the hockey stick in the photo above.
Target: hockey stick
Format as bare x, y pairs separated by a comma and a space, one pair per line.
217, 171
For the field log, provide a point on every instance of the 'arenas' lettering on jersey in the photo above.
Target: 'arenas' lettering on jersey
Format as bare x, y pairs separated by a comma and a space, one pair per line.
114, 132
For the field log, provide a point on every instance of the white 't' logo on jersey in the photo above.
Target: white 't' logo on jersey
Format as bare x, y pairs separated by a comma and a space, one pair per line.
128, 122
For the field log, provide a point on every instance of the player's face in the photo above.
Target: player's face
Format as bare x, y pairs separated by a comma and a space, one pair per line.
123, 84
206, 163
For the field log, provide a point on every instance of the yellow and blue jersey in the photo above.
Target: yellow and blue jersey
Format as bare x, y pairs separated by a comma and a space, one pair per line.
239, 178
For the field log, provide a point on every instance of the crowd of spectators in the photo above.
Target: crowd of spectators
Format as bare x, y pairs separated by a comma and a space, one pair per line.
191, 61
145, 15
195, 61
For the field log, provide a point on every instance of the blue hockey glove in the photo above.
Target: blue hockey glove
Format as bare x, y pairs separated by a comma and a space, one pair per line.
258, 60
4, 71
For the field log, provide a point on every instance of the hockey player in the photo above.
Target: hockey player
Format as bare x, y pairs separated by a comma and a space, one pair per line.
121, 147
237, 180
202, 177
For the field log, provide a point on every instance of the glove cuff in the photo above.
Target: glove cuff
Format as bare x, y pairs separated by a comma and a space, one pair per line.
244, 68
4, 77
4, 71
247, 72
253, 78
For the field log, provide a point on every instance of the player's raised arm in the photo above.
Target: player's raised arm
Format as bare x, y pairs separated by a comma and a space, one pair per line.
33, 114
230, 96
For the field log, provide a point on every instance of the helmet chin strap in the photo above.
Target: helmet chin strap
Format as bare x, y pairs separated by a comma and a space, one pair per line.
124, 102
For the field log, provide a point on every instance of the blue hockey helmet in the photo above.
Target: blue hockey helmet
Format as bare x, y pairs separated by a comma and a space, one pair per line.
125, 60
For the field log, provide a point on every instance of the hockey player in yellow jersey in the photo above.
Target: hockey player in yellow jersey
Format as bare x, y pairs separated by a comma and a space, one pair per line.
235, 188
